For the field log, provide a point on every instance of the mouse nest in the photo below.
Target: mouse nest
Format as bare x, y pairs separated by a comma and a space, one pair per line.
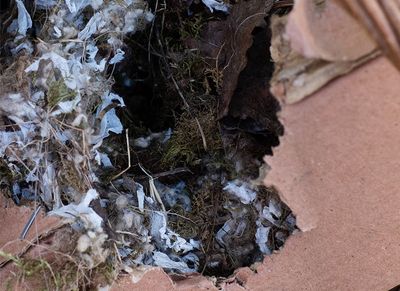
111, 119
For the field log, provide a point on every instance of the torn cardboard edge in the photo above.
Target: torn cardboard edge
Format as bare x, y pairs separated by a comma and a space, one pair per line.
324, 30
336, 170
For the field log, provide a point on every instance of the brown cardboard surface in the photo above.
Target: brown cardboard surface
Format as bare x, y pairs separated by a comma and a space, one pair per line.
13, 220
338, 169
324, 30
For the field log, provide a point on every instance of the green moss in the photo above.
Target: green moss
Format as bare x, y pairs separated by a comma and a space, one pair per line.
28, 268
57, 92
65, 276
192, 27
108, 271
186, 146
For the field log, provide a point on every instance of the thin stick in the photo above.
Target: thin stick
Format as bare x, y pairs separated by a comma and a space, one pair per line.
203, 137
30, 222
18, 159
153, 189
129, 156
117, 252
168, 173
179, 92
151, 32
154, 192
135, 208
128, 233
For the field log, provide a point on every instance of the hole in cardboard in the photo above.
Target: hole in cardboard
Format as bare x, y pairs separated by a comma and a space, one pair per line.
211, 194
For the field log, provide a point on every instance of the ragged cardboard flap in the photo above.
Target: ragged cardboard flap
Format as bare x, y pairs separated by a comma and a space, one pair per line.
338, 169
